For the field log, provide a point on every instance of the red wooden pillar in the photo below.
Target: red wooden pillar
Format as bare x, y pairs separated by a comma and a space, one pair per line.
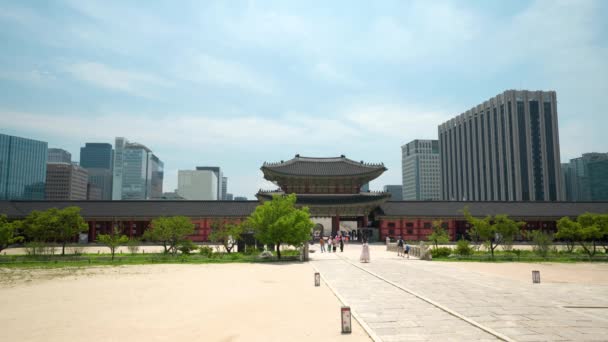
418, 229
93, 231
130, 229
365, 221
452, 229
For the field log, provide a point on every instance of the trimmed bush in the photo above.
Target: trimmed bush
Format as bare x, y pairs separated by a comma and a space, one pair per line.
441, 252
463, 248
205, 251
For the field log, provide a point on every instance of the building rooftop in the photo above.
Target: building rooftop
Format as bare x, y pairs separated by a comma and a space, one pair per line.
320, 167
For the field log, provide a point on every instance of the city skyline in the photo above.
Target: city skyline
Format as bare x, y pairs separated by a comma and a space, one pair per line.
265, 82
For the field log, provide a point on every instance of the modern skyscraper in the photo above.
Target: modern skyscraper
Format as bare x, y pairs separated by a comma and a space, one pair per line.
22, 168
396, 192
198, 184
138, 173
218, 174
58, 155
420, 169
224, 187
586, 177
65, 181
505, 149
229, 197
240, 198
97, 159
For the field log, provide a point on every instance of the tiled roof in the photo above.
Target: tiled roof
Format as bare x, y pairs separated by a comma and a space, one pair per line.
480, 209
333, 199
136, 209
338, 166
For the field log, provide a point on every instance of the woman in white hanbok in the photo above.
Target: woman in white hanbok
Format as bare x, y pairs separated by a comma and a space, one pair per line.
365, 252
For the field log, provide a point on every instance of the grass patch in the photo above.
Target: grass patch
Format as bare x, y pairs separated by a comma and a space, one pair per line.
525, 256
84, 260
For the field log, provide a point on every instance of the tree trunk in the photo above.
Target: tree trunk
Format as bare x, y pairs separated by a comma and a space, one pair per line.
63, 248
279, 250
112, 250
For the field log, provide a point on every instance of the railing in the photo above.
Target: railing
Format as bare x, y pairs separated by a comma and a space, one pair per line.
420, 251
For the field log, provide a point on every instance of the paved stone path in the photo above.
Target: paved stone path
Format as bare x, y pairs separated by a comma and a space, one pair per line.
512, 309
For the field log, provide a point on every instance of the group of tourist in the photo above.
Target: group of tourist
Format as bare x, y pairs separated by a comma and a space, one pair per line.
403, 248
333, 243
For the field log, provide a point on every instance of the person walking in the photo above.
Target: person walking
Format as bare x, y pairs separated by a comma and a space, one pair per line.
322, 244
342, 244
336, 243
407, 250
400, 247
330, 244
364, 252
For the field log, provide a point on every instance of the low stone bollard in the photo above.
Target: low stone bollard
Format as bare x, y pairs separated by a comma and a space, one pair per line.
317, 279
346, 320
535, 277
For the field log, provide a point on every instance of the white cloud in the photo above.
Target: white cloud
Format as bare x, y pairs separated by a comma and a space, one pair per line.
206, 69
104, 76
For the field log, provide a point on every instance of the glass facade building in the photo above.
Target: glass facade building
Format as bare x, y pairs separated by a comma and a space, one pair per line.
505, 149
22, 168
97, 159
138, 173
586, 178
58, 155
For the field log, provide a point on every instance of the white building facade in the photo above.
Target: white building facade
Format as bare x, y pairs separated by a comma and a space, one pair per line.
198, 184
421, 173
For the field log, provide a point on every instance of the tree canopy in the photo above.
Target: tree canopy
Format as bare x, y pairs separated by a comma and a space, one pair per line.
58, 225
170, 231
439, 234
278, 221
113, 240
588, 230
493, 230
7, 233
226, 234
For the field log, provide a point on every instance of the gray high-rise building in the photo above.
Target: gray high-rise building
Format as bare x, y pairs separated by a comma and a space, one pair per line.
229, 197
138, 173
420, 169
396, 192
65, 181
97, 159
219, 176
224, 188
586, 177
22, 168
240, 198
505, 149
58, 155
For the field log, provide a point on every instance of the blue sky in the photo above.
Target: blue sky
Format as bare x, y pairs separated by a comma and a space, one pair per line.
235, 84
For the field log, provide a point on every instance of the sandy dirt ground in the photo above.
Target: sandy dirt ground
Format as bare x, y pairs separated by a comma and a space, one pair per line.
576, 273
226, 302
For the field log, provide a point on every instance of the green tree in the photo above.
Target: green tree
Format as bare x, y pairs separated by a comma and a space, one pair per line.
493, 230
170, 231
590, 232
567, 230
278, 221
542, 241
439, 234
226, 234
39, 225
113, 240
7, 233
69, 225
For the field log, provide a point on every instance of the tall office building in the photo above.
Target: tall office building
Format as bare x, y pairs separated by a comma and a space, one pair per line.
65, 181
22, 168
420, 169
58, 155
138, 173
224, 188
586, 177
505, 149
396, 192
97, 159
218, 174
229, 197
198, 184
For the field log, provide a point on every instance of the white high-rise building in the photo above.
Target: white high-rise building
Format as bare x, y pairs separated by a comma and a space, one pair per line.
198, 184
421, 173
138, 173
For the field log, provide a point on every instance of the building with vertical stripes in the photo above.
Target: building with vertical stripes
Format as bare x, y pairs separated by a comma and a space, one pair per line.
505, 149
420, 170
